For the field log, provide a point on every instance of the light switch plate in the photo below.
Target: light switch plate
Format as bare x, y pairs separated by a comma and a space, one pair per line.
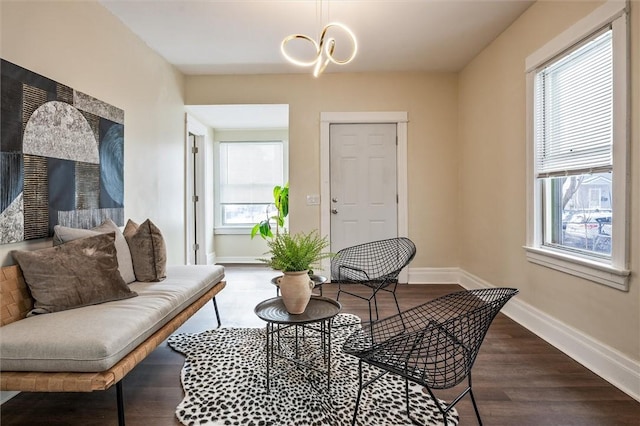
313, 200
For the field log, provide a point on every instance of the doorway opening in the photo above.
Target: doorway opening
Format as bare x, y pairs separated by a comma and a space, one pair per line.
232, 188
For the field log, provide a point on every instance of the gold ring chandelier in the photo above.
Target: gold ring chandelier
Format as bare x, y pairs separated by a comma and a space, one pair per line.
324, 49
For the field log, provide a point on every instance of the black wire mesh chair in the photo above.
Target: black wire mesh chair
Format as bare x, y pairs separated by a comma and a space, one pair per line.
376, 265
434, 344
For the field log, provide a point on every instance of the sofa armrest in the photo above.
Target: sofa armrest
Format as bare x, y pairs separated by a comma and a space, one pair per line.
15, 299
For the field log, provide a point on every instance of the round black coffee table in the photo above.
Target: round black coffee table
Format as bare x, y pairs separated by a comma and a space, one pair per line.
320, 310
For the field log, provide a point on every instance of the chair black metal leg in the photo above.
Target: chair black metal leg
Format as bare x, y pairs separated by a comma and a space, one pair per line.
396, 299
475, 407
473, 400
120, 402
215, 306
435, 400
375, 302
439, 405
355, 412
406, 394
398, 306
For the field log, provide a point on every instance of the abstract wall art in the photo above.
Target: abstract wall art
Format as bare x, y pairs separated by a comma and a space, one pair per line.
61, 157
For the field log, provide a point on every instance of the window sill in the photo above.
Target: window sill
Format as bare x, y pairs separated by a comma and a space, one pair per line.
232, 230
584, 268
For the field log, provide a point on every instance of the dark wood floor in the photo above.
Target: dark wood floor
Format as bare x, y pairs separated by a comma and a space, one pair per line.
519, 379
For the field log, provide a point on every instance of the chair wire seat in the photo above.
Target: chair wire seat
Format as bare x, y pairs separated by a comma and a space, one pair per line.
375, 264
434, 344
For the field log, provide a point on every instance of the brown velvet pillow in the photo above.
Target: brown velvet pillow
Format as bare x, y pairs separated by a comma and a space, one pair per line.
63, 234
79, 273
148, 251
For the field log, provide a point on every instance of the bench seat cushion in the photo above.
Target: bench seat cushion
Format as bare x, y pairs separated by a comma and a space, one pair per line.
94, 338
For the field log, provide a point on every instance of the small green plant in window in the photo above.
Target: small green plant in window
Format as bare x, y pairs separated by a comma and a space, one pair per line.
281, 202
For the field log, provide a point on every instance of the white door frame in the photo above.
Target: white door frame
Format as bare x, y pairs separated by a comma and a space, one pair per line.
194, 127
328, 118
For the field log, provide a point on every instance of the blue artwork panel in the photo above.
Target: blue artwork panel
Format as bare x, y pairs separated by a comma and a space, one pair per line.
111, 164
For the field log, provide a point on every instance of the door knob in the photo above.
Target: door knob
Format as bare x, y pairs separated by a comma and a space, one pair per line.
334, 211
335, 200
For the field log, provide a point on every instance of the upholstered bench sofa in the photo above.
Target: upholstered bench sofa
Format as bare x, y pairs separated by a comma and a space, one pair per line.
93, 347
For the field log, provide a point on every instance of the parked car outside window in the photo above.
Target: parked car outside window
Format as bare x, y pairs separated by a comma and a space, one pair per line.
590, 230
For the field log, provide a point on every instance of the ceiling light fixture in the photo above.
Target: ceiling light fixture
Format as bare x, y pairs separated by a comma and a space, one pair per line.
324, 48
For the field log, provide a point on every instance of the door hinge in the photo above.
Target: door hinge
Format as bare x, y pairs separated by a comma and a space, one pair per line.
194, 149
397, 198
196, 247
195, 199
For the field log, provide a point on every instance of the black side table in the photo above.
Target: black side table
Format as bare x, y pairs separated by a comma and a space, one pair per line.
320, 310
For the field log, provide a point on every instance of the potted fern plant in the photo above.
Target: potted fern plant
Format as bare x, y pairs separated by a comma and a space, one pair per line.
295, 255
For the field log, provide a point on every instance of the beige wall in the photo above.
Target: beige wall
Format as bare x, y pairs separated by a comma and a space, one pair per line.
431, 102
80, 44
493, 183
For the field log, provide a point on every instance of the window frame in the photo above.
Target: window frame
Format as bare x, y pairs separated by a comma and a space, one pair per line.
240, 229
612, 272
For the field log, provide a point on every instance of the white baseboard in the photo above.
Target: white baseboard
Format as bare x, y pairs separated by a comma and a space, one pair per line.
211, 258
434, 275
606, 362
7, 395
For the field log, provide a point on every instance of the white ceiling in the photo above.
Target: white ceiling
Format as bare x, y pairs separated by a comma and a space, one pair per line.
244, 36
235, 117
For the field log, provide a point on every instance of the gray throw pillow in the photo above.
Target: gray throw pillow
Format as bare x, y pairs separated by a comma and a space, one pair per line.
148, 251
63, 234
79, 273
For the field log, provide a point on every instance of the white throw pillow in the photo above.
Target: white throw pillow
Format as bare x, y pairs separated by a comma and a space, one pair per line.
63, 234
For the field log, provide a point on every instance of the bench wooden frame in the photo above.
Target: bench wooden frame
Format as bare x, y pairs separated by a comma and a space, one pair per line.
16, 302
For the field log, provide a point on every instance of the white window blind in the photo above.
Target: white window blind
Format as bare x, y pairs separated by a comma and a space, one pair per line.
249, 171
573, 126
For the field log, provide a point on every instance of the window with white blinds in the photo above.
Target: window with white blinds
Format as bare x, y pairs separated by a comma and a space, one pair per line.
573, 111
578, 145
248, 172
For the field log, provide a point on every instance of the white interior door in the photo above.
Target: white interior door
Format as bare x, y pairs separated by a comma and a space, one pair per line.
363, 183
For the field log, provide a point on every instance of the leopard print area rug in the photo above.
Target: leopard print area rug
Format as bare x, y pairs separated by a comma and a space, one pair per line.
224, 383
